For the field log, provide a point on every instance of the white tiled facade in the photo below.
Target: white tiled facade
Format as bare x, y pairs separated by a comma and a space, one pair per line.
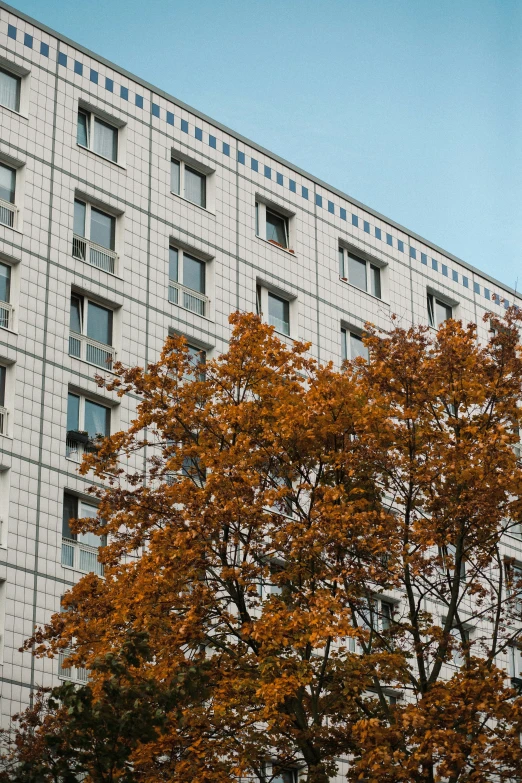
39, 141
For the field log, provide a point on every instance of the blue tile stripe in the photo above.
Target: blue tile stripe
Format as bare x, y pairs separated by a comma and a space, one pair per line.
171, 118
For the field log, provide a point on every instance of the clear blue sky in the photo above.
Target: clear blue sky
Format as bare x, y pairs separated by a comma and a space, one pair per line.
414, 107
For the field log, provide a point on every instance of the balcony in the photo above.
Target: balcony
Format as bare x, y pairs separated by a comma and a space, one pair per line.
91, 351
81, 557
78, 443
70, 673
6, 315
187, 298
3, 420
96, 255
7, 213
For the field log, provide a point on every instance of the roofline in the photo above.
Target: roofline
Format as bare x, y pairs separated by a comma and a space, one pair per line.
11, 9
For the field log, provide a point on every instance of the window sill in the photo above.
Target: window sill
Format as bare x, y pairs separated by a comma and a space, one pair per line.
362, 291
206, 210
19, 114
102, 157
288, 251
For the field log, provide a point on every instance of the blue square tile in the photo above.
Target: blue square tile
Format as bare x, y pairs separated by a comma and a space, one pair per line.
184, 126
487, 293
318, 200
331, 207
62, 59
342, 213
279, 178
304, 192
198, 133
366, 226
254, 164
78, 68
292, 185
389, 240
444, 270
170, 118
155, 110
435, 264
455, 276
11, 31
378, 233
413, 252
476, 288
138, 100
240, 157
424, 259
212, 141
400, 245
124, 93
226, 148
28, 40
355, 220
268, 172
465, 282
109, 84
94, 76
44, 49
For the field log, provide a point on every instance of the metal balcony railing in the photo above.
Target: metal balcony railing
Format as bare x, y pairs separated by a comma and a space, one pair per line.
70, 673
7, 213
187, 298
75, 450
6, 315
81, 557
91, 351
96, 255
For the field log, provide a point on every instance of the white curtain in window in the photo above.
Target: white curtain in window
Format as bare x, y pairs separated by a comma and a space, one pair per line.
104, 139
9, 90
194, 186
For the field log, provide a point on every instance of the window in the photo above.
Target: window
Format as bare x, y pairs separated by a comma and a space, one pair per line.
2, 618
438, 311
7, 195
272, 225
97, 135
91, 332
80, 550
188, 182
459, 657
86, 422
360, 273
197, 358
515, 662
9, 90
279, 313
352, 346
187, 281
73, 673
6, 311
94, 236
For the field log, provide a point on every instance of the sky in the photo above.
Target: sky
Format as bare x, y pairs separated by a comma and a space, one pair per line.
413, 107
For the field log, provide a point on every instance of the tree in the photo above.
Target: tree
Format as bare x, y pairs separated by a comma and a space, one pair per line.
314, 562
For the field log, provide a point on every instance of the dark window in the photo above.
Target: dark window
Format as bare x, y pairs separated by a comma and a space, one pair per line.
175, 176
105, 140
193, 273
7, 183
173, 264
82, 132
2, 385
75, 321
375, 278
438, 311
5, 283
99, 323
79, 218
70, 511
195, 186
276, 228
73, 412
9, 90
357, 272
279, 313
102, 229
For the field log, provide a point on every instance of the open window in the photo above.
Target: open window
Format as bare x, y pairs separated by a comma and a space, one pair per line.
438, 311
273, 224
188, 181
87, 422
187, 281
94, 236
80, 550
91, 332
8, 210
10, 88
97, 133
277, 309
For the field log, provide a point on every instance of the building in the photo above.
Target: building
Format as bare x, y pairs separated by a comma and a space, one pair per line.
125, 214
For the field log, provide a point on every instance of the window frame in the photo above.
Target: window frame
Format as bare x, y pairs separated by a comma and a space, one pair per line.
193, 167
373, 271
19, 79
183, 295
73, 541
92, 118
347, 333
432, 300
262, 208
78, 440
263, 292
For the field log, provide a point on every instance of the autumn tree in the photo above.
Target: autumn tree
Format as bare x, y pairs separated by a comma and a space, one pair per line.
315, 562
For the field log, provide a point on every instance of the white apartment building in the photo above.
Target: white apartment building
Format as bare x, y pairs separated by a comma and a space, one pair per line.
124, 214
